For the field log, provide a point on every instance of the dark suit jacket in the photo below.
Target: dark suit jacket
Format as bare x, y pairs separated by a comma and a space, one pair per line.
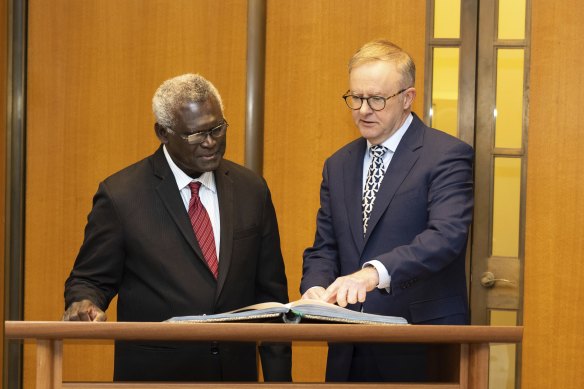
418, 230
139, 244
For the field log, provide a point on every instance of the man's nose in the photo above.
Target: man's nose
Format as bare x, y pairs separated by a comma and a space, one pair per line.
365, 108
209, 141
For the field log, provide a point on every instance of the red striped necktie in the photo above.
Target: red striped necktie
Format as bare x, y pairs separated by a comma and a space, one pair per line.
203, 228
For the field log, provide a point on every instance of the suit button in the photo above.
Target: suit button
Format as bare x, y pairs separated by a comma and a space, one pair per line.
215, 350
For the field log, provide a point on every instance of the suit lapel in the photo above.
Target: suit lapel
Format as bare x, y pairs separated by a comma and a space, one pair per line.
353, 187
406, 155
169, 195
225, 195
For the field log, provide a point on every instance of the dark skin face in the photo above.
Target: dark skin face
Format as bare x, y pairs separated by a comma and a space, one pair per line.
191, 118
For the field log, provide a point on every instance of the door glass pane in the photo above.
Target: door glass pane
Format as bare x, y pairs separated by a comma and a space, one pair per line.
509, 100
506, 203
502, 356
511, 19
444, 113
446, 18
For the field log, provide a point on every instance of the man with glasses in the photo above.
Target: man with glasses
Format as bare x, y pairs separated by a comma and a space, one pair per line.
395, 210
182, 232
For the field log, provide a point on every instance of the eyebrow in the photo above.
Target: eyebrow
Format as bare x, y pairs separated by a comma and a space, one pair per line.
362, 94
208, 129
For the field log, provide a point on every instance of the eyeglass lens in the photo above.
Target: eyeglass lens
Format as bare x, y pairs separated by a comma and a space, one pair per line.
376, 103
215, 132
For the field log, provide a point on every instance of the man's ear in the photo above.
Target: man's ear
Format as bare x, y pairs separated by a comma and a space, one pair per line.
409, 96
161, 133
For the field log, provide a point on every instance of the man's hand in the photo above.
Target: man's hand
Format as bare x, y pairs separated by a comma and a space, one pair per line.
84, 310
352, 288
314, 293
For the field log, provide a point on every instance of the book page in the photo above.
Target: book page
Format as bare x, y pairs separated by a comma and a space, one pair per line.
320, 310
261, 306
321, 303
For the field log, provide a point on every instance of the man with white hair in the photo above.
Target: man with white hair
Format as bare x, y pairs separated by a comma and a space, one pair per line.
182, 232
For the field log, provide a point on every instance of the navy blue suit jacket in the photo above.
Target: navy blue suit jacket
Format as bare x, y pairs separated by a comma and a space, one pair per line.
418, 229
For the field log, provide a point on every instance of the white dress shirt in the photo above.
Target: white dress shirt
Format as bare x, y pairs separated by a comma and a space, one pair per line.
207, 193
391, 144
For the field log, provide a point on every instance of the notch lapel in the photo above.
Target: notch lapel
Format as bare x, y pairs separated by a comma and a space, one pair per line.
226, 208
169, 195
353, 187
402, 162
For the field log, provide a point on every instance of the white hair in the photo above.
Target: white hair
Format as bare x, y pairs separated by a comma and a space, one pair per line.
177, 91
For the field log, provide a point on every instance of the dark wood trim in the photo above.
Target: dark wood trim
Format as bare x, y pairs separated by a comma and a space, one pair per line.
256, 64
15, 186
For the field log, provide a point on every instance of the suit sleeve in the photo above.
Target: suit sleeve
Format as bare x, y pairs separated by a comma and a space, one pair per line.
449, 208
98, 269
271, 285
321, 263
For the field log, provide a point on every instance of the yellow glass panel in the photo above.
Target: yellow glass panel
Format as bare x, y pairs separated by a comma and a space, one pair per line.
506, 202
509, 103
503, 318
511, 19
502, 356
444, 114
446, 18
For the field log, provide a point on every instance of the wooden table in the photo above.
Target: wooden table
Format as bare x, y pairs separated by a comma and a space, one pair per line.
473, 342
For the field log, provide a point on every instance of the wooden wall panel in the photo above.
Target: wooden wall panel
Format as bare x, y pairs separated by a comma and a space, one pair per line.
93, 68
553, 348
309, 44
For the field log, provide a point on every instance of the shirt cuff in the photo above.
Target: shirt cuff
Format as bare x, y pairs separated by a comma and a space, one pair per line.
384, 277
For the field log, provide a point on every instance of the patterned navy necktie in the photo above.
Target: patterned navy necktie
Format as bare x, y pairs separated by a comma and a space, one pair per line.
374, 178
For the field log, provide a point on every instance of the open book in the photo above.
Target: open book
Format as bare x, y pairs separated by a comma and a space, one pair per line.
294, 312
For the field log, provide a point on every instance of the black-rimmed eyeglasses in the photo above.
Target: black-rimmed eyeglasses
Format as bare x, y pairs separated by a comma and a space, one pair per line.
199, 137
376, 103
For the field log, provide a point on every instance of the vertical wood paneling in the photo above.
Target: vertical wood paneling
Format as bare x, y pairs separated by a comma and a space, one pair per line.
93, 68
553, 347
309, 44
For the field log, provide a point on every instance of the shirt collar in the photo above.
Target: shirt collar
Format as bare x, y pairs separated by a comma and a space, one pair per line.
393, 141
206, 179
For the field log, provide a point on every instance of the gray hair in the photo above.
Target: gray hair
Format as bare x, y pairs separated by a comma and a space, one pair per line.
173, 93
383, 50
